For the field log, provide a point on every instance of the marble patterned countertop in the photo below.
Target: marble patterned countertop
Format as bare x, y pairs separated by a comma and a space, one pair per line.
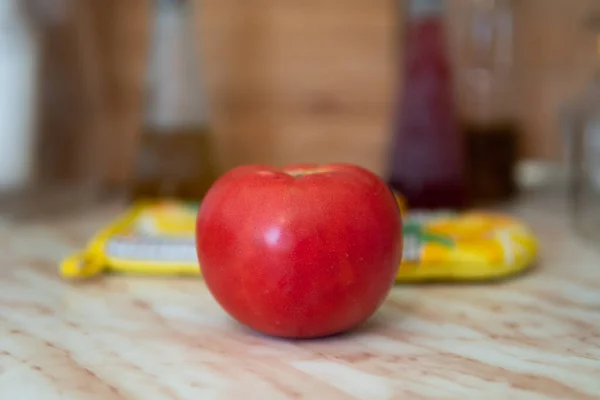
536, 337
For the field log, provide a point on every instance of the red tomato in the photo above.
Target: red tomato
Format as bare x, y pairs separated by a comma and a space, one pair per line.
302, 252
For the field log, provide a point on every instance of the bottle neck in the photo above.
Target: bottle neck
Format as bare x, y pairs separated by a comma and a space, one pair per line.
175, 95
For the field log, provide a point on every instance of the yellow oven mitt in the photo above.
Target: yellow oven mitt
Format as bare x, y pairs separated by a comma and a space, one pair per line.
158, 239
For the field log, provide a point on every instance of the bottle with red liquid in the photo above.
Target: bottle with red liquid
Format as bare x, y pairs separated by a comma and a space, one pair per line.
428, 163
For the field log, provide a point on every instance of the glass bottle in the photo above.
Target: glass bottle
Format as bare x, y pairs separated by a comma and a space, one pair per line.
19, 55
581, 120
488, 100
427, 163
175, 157
52, 116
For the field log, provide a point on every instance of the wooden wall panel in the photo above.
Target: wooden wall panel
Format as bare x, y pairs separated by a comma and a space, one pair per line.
306, 81
122, 29
557, 58
314, 80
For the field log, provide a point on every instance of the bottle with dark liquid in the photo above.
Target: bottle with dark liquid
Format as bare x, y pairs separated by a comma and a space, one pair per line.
488, 100
175, 151
427, 165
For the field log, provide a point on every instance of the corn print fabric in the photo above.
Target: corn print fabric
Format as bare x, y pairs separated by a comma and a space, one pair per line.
158, 239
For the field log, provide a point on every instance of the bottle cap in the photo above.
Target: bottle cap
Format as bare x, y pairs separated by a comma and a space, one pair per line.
423, 8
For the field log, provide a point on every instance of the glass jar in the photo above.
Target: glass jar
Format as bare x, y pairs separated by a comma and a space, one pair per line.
581, 121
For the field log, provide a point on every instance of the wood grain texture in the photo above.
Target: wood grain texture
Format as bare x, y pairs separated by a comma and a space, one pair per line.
70, 99
122, 34
298, 79
535, 337
315, 80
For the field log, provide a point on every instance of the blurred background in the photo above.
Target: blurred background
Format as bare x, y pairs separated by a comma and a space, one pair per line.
274, 82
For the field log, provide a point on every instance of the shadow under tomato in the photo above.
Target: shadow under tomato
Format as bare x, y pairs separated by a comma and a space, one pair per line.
374, 324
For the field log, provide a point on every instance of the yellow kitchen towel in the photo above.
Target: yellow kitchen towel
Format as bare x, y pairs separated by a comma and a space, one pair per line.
157, 238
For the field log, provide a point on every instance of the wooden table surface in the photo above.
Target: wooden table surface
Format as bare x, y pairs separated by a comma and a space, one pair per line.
536, 337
